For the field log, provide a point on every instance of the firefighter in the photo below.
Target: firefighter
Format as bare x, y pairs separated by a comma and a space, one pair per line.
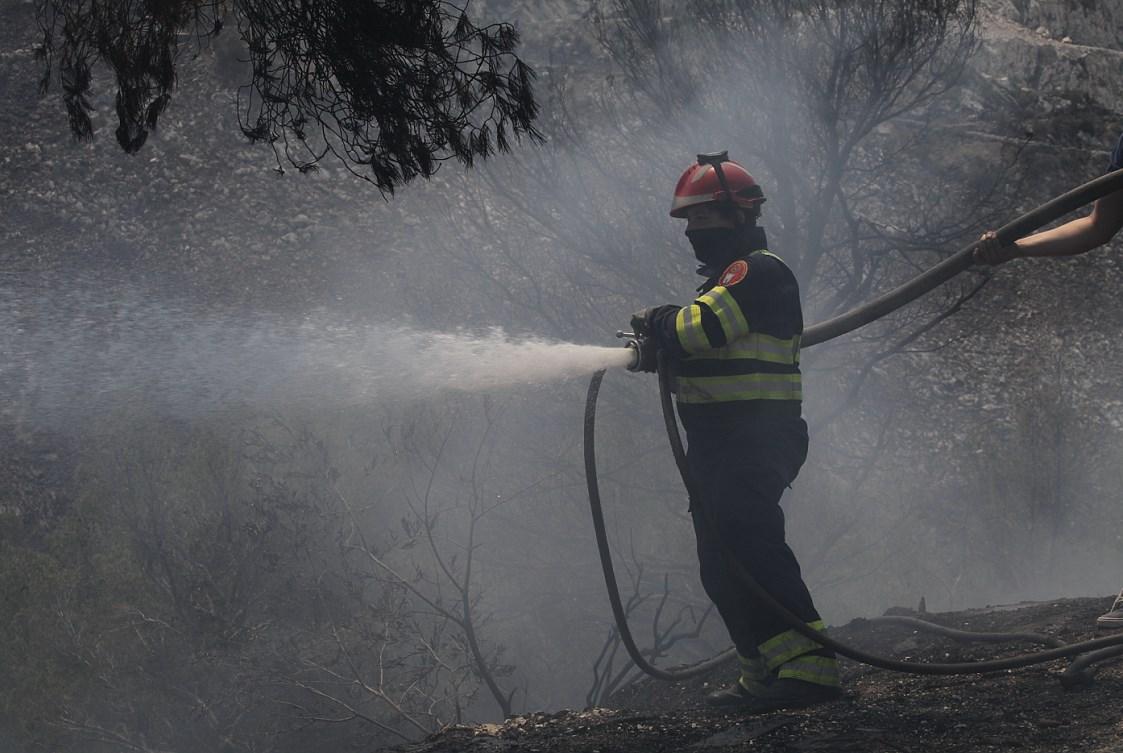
734, 354
1078, 236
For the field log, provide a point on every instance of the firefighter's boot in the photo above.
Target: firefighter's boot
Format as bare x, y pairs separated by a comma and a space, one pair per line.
753, 682
806, 680
1113, 618
792, 694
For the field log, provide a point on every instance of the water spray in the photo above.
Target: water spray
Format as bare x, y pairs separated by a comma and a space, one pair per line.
88, 350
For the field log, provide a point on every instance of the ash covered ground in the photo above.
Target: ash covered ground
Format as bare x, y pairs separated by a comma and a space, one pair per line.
1026, 710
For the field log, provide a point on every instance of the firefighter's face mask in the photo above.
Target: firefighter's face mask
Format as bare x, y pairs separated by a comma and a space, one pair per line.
714, 246
713, 233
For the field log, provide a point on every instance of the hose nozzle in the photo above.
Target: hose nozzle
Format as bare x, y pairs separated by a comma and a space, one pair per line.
640, 347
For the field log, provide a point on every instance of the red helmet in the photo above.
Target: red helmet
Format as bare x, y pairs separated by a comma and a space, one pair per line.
715, 178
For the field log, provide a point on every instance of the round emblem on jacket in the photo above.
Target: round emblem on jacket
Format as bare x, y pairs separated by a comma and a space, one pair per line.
734, 273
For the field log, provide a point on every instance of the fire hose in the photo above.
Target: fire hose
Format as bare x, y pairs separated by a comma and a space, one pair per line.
1093, 650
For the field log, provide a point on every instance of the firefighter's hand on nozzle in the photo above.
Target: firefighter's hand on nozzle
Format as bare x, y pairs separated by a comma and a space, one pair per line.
641, 322
646, 354
646, 325
991, 251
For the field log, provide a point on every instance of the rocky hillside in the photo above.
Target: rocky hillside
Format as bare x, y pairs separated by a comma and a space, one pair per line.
1064, 52
1026, 710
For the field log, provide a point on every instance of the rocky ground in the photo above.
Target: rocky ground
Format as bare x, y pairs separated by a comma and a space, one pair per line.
1026, 710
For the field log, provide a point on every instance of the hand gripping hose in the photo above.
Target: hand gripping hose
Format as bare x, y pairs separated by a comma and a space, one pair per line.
961, 260
819, 333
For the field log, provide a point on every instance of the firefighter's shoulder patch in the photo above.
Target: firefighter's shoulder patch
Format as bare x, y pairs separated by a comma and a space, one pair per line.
734, 273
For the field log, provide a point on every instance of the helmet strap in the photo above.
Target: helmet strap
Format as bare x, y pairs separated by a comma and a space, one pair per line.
714, 160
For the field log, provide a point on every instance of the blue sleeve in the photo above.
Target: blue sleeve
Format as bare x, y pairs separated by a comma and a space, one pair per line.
1116, 156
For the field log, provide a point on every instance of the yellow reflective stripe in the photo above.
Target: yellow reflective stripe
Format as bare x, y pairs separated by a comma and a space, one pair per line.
757, 346
728, 312
774, 256
821, 670
753, 685
789, 644
743, 387
688, 327
753, 672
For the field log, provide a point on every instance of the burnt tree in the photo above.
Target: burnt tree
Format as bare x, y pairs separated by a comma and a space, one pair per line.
390, 87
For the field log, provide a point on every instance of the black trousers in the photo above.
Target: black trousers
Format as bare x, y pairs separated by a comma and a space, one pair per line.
739, 471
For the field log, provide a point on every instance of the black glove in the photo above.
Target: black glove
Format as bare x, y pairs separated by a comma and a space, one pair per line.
645, 321
647, 354
641, 322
